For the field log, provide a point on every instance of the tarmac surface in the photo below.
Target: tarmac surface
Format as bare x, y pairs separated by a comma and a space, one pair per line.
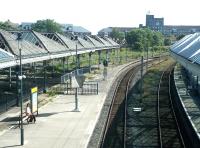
58, 125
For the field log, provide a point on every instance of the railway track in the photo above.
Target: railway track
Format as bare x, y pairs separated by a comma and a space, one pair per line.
117, 140
168, 127
155, 126
116, 125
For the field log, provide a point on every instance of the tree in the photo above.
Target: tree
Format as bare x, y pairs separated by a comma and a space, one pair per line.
180, 37
167, 42
157, 39
140, 39
47, 25
8, 25
117, 36
136, 39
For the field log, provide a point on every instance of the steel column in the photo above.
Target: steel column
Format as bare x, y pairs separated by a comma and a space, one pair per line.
10, 77
63, 63
45, 76
99, 54
90, 54
141, 83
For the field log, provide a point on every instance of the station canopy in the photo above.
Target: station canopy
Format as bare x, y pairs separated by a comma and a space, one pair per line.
51, 45
27, 49
111, 41
85, 43
5, 56
188, 48
95, 42
103, 41
70, 43
37, 46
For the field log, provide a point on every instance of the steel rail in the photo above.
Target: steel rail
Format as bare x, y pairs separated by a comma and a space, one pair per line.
128, 68
173, 111
160, 137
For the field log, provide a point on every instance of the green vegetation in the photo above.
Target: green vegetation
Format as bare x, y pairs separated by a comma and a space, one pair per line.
8, 25
124, 55
140, 39
117, 36
47, 25
152, 78
179, 37
51, 93
167, 41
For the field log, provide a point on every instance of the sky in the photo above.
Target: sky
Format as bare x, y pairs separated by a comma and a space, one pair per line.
97, 14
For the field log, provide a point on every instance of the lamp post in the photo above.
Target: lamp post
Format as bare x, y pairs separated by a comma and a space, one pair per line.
141, 84
147, 57
76, 91
20, 77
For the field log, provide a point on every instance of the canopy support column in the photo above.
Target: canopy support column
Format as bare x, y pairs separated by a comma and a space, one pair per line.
126, 54
34, 73
10, 77
78, 60
107, 56
90, 55
17, 85
63, 64
99, 54
67, 64
45, 76
53, 69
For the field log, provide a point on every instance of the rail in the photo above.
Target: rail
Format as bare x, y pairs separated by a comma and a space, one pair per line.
125, 108
173, 111
112, 102
130, 66
158, 112
160, 136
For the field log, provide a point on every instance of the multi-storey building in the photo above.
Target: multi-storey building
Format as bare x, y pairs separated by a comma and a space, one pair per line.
157, 24
153, 23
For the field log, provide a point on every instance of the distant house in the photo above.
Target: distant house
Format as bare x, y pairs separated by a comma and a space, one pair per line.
26, 25
76, 30
180, 29
107, 31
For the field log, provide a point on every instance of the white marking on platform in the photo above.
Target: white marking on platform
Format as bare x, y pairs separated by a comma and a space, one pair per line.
137, 109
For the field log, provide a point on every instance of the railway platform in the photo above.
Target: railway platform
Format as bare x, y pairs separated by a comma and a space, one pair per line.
57, 124
190, 102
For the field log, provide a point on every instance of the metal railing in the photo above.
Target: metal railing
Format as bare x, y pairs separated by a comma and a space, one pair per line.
88, 88
7, 101
66, 77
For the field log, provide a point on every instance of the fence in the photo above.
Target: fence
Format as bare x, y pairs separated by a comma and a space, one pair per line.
88, 88
65, 78
7, 100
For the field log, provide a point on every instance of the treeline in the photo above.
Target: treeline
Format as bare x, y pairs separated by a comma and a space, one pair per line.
8, 25
47, 25
141, 39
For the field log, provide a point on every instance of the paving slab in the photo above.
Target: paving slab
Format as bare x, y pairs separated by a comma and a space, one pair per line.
57, 125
